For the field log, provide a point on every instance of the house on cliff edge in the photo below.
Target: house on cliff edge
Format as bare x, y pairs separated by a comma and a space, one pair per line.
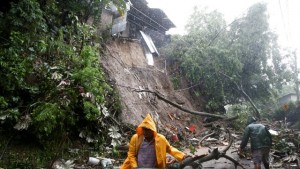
148, 25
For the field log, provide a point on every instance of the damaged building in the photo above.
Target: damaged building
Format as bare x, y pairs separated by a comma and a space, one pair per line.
148, 25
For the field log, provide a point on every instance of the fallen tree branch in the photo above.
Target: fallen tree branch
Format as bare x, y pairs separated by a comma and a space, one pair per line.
246, 96
215, 154
206, 137
181, 107
170, 116
230, 142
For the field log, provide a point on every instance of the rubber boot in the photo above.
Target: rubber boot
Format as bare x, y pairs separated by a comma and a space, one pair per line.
257, 166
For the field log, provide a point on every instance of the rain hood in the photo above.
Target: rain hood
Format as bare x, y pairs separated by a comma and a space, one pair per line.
147, 123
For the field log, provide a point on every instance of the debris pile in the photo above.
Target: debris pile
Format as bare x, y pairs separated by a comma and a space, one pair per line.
219, 141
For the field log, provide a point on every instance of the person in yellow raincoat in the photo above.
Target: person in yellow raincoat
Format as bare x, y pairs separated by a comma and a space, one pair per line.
148, 149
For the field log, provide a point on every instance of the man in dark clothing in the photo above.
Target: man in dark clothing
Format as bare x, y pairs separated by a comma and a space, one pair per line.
260, 141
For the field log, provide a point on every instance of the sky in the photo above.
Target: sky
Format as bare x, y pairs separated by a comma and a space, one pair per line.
283, 15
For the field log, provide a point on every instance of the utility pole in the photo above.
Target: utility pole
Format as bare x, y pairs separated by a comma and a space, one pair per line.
296, 77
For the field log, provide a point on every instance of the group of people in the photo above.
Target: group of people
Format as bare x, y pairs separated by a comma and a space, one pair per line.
148, 148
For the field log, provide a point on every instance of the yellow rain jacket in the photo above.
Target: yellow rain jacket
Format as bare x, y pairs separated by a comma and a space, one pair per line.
162, 146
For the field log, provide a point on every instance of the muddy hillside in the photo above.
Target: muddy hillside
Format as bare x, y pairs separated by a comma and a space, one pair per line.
128, 71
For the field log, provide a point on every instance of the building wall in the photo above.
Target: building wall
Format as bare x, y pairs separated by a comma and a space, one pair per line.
106, 20
287, 98
293, 98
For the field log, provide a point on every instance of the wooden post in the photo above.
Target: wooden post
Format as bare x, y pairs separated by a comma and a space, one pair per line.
296, 77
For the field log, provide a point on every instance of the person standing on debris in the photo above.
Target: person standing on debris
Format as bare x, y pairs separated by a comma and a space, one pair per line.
148, 149
260, 141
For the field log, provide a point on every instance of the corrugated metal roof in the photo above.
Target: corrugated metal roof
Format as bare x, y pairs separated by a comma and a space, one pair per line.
149, 43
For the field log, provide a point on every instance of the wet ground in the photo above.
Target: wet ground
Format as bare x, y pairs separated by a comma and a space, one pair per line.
223, 163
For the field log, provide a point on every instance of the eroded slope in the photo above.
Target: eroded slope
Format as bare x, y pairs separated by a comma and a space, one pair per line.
127, 68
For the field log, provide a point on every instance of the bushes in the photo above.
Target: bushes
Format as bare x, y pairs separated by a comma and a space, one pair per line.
52, 85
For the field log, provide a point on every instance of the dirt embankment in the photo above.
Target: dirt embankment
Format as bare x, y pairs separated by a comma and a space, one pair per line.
127, 68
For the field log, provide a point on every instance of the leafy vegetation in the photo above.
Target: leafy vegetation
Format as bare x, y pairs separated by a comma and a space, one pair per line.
52, 86
230, 64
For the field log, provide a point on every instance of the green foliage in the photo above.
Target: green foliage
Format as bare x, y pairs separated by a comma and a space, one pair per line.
85, 10
242, 111
91, 112
3, 103
116, 153
192, 149
52, 88
175, 82
51, 80
225, 61
287, 141
47, 117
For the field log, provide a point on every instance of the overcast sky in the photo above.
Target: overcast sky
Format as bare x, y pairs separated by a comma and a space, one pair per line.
284, 15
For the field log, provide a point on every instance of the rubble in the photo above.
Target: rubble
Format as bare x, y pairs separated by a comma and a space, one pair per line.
221, 144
